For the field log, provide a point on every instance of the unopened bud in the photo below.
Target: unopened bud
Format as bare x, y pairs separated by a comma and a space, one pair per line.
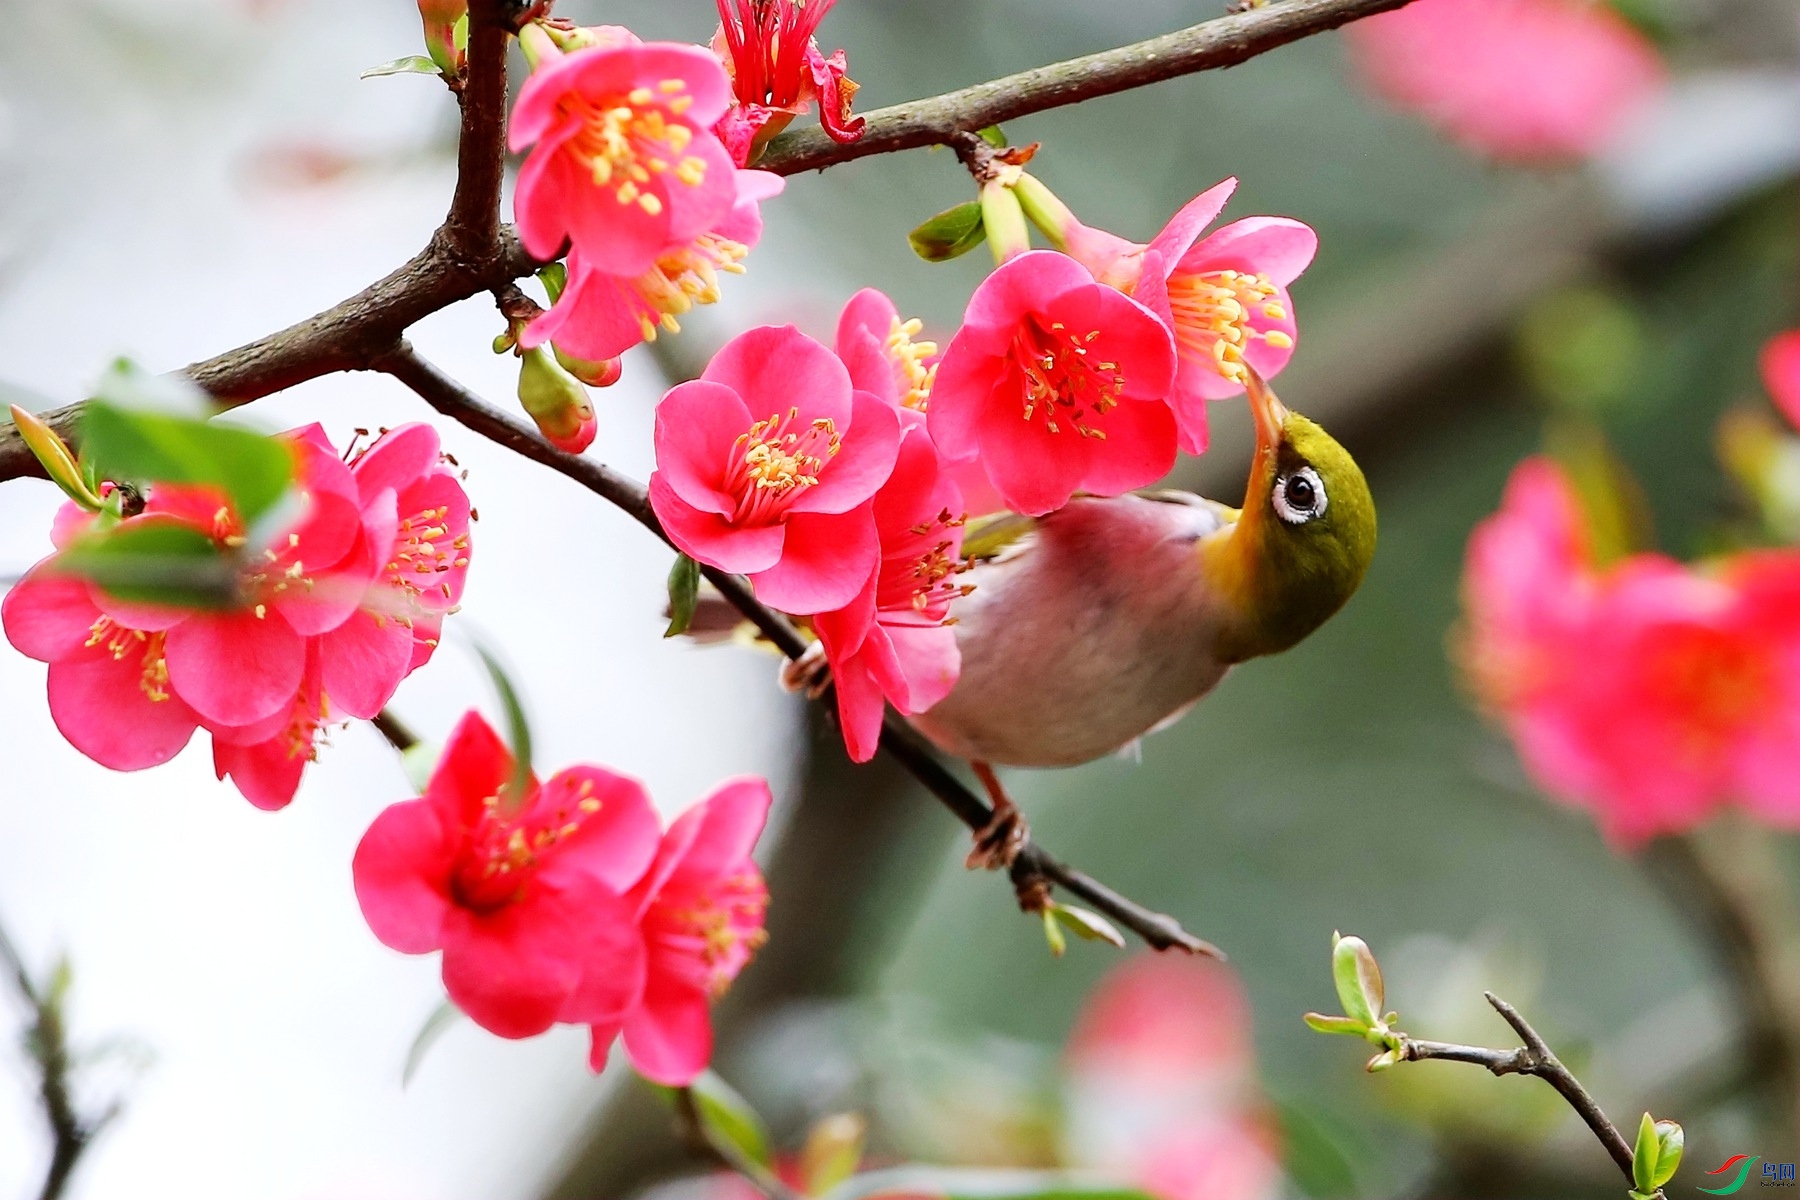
556, 401
446, 26
603, 373
57, 459
1043, 209
1656, 1156
1004, 221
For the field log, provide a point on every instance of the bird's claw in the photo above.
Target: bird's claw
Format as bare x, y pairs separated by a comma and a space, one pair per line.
809, 674
1000, 841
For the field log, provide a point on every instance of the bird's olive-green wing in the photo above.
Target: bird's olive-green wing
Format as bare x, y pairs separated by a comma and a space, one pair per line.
987, 538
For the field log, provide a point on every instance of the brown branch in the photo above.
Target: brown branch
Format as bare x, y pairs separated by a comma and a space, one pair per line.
71, 1134
1224, 42
472, 227
1533, 1058
453, 400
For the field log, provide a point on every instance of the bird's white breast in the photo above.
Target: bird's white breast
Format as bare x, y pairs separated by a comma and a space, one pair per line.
1084, 639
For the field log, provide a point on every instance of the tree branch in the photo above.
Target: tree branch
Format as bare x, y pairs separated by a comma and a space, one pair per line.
1224, 42
48, 1044
453, 400
1533, 1058
472, 227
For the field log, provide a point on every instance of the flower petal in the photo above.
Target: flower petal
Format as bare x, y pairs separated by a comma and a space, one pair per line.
774, 368
401, 871
710, 538
266, 773
698, 424
235, 668
97, 704
362, 661
863, 462
669, 1036
824, 561
514, 969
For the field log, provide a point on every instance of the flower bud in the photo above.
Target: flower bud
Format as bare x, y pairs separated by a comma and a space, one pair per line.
1043, 209
58, 461
1358, 979
556, 401
603, 373
442, 19
1004, 221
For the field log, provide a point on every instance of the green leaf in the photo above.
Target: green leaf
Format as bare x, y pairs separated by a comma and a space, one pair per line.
127, 385
1321, 1023
442, 1017
1053, 934
1644, 1155
1358, 979
1316, 1152
137, 446
728, 1121
156, 560
973, 1183
951, 233
412, 64
518, 729
1087, 925
993, 137
684, 595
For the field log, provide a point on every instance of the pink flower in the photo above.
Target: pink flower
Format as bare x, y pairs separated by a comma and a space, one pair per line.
1651, 693
1056, 384
523, 894
1224, 296
766, 465
891, 642
1161, 1084
624, 163
776, 71
701, 908
334, 613
885, 356
601, 315
1781, 373
1513, 79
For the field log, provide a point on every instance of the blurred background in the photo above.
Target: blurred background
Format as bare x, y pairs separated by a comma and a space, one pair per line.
181, 176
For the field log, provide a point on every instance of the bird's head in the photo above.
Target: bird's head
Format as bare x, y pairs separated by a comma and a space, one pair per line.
1305, 537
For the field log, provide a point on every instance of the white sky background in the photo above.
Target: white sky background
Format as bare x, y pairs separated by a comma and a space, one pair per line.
228, 940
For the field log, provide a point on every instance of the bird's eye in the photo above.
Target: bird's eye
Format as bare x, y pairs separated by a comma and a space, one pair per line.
1299, 496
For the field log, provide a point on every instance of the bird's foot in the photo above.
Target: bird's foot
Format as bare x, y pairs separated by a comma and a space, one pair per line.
998, 843
810, 673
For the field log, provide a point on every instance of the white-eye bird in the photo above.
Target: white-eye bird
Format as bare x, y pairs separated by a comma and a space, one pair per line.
1111, 617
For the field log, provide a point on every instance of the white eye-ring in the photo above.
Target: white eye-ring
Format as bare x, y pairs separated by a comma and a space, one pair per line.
1299, 496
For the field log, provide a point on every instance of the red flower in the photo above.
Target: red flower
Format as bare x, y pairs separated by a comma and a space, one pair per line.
891, 642
523, 894
623, 162
1514, 79
776, 71
1651, 693
701, 908
1224, 296
1781, 373
765, 465
1057, 384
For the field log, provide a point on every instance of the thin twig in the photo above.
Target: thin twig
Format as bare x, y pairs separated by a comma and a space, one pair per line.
461, 261
398, 733
1224, 42
1533, 1058
453, 400
48, 1041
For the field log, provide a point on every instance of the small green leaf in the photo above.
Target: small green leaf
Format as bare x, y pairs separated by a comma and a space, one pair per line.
554, 277
993, 137
833, 1151
156, 560
1088, 926
441, 1018
684, 595
951, 233
134, 446
412, 64
1053, 934
1644, 1154
1321, 1023
518, 729
56, 458
1358, 979
728, 1121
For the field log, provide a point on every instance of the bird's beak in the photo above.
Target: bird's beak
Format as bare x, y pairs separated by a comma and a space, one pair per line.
1268, 410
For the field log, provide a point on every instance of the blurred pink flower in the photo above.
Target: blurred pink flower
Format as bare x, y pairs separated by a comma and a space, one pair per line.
1514, 79
1651, 693
891, 643
1224, 296
1161, 1084
523, 894
1056, 384
766, 465
701, 908
1781, 373
776, 70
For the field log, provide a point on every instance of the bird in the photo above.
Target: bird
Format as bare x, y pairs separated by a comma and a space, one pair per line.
1110, 618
